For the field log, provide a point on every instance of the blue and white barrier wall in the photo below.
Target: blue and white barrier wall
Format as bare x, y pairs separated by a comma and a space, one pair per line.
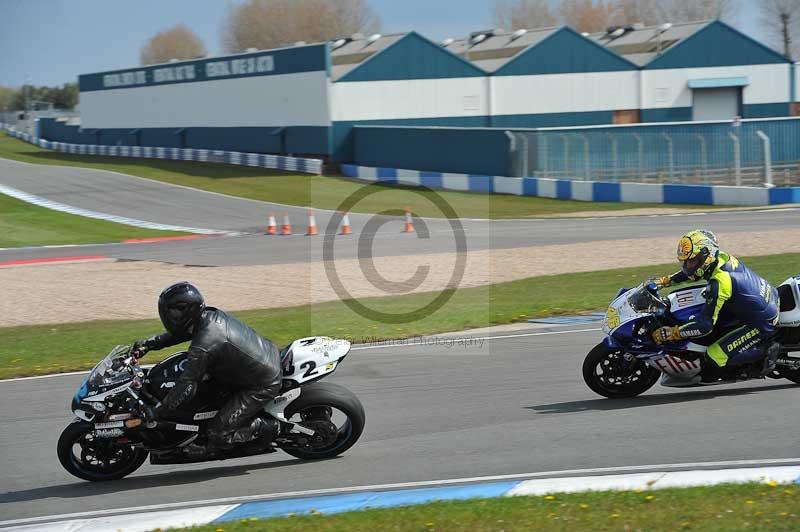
260, 160
580, 190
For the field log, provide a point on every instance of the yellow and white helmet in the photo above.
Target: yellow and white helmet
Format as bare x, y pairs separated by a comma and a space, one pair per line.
697, 252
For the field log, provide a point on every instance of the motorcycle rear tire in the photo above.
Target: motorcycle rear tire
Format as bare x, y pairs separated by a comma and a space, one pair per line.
329, 395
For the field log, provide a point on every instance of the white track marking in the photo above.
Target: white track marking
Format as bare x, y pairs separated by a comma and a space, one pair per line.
56, 206
401, 485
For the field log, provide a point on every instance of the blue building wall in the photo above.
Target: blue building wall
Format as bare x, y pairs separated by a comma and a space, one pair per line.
472, 151
715, 45
565, 52
412, 57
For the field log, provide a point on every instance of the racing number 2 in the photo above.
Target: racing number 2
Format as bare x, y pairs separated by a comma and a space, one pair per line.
311, 369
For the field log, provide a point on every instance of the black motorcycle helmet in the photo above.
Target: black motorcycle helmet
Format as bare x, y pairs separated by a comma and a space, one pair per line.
180, 306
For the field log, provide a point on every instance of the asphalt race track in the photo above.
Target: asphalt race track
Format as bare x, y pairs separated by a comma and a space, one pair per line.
508, 406
152, 201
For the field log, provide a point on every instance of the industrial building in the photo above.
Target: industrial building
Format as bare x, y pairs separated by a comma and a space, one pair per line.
306, 98
703, 71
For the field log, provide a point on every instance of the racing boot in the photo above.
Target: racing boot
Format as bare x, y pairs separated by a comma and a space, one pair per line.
710, 372
771, 358
257, 428
197, 453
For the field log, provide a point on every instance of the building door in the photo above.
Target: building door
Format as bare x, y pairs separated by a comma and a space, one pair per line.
716, 104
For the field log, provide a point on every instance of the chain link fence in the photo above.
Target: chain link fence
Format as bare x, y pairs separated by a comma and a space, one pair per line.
750, 152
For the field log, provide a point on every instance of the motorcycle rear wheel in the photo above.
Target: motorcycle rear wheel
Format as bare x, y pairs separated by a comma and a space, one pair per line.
111, 461
316, 403
615, 381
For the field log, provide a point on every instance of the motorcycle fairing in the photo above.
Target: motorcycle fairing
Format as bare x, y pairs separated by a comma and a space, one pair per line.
314, 357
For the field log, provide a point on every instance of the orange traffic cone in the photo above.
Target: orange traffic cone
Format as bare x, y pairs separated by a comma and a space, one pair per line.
346, 229
312, 224
286, 228
409, 225
272, 227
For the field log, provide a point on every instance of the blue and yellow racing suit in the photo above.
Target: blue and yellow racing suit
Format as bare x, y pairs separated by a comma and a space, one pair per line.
735, 294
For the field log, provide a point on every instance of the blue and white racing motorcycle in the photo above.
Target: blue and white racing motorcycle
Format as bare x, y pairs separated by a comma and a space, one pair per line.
628, 362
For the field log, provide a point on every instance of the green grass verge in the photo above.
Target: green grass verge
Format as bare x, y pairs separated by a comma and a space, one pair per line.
317, 191
723, 508
40, 349
24, 224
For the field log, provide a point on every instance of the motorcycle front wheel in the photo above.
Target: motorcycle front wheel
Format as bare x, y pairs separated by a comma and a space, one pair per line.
608, 373
96, 459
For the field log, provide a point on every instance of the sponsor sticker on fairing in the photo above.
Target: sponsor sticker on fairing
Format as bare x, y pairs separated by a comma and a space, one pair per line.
187, 428
109, 433
109, 425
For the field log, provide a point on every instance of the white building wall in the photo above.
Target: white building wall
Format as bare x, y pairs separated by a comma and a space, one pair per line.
416, 98
797, 82
290, 99
566, 93
670, 87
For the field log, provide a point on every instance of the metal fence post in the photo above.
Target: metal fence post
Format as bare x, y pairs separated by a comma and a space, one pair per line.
526, 161
671, 155
737, 158
767, 159
586, 175
703, 156
640, 150
565, 139
513, 156
614, 160
545, 158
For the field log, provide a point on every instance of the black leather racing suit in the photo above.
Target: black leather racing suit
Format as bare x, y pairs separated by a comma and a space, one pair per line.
235, 355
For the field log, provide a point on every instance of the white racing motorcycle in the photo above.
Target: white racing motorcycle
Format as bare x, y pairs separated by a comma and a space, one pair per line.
628, 362
115, 428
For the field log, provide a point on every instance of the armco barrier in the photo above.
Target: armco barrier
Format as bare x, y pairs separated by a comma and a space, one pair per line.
580, 190
260, 160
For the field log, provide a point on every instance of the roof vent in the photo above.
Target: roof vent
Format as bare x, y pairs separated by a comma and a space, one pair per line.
374, 37
619, 32
447, 42
357, 36
338, 43
478, 38
665, 26
517, 34
251, 50
585, 33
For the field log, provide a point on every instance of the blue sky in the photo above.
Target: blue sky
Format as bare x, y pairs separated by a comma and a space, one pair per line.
50, 42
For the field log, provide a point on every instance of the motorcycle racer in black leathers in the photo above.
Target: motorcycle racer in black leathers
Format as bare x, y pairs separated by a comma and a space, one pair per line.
224, 348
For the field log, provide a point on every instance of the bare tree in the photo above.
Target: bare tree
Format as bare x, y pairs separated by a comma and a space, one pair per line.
177, 42
782, 19
517, 14
588, 15
597, 15
273, 23
690, 10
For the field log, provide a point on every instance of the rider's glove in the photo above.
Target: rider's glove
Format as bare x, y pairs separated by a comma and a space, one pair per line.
666, 334
661, 282
140, 348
